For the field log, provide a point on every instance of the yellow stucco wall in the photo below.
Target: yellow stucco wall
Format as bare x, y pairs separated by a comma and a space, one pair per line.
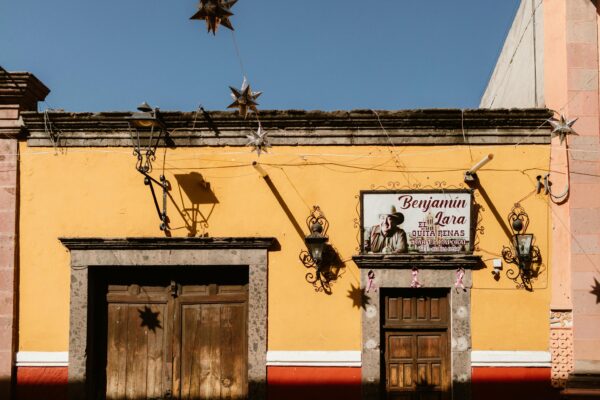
97, 192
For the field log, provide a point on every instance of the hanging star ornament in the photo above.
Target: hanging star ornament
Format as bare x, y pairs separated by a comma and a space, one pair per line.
215, 13
244, 99
596, 290
258, 140
562, 127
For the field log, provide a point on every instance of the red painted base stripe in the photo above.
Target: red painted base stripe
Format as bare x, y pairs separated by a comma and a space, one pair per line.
315, 383
512, 383
323, 383
41, 383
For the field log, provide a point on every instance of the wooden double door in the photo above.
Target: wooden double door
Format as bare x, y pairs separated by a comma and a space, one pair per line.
416, 355
176, 335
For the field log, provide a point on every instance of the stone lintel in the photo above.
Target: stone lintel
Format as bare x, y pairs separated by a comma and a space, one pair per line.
408, 261
148, 243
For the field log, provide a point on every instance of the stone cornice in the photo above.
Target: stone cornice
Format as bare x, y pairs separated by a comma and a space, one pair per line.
408, 261
295, 127
147, 243
10, 133
21, 88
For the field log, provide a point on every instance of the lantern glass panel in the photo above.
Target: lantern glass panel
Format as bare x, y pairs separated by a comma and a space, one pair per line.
523, 246
316, 244
144, 123
316, 249
144, 120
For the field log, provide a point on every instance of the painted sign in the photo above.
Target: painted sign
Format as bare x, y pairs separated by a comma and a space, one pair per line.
416, 221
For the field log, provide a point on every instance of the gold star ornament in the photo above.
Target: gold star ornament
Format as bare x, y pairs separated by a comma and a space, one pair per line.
244, 99
562, 127
258, 140
215, 13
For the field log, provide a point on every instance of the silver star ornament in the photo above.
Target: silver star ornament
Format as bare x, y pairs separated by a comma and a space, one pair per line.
258, 140
563, 127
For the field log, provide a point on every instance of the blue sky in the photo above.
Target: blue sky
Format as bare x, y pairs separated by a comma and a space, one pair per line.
111, 55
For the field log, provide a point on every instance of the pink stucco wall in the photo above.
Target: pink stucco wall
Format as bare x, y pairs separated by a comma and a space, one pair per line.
572, 88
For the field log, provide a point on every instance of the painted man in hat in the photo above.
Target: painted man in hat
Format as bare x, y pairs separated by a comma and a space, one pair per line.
388, 237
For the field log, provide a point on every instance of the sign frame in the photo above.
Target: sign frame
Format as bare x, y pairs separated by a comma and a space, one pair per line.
472, 215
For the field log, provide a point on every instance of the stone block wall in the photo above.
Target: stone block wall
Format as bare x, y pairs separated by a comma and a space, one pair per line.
18, 92
584, 162
8, 191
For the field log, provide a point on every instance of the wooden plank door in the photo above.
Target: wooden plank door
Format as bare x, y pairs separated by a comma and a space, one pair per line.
137, 342
211, 342
416, 351
171, 340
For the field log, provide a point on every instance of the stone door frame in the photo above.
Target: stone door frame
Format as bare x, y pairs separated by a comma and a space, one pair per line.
89, 253
435, 271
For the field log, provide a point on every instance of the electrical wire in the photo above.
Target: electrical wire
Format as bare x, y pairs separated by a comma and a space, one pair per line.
462, 126
237, 52
393, 152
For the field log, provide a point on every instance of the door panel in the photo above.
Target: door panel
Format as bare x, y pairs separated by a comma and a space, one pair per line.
400, 346
200, 358
135, 351
233, 351
429, 346
404, 308
417, 363
213, 352
416, 352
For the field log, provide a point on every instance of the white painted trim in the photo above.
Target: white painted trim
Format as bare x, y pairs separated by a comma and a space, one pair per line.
314, 358
323, 358
511, 359
42, 359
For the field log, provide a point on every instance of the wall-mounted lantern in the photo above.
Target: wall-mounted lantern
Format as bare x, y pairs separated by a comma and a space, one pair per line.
315, 242
319, 255
523, 253
147, 129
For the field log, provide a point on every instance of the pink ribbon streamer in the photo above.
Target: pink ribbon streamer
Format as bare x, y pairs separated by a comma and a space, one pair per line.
415, 278
460, 274
371, 284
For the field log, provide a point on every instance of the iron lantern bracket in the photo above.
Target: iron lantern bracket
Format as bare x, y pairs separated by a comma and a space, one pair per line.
145, 118
321, 277
525, 271
165, 186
